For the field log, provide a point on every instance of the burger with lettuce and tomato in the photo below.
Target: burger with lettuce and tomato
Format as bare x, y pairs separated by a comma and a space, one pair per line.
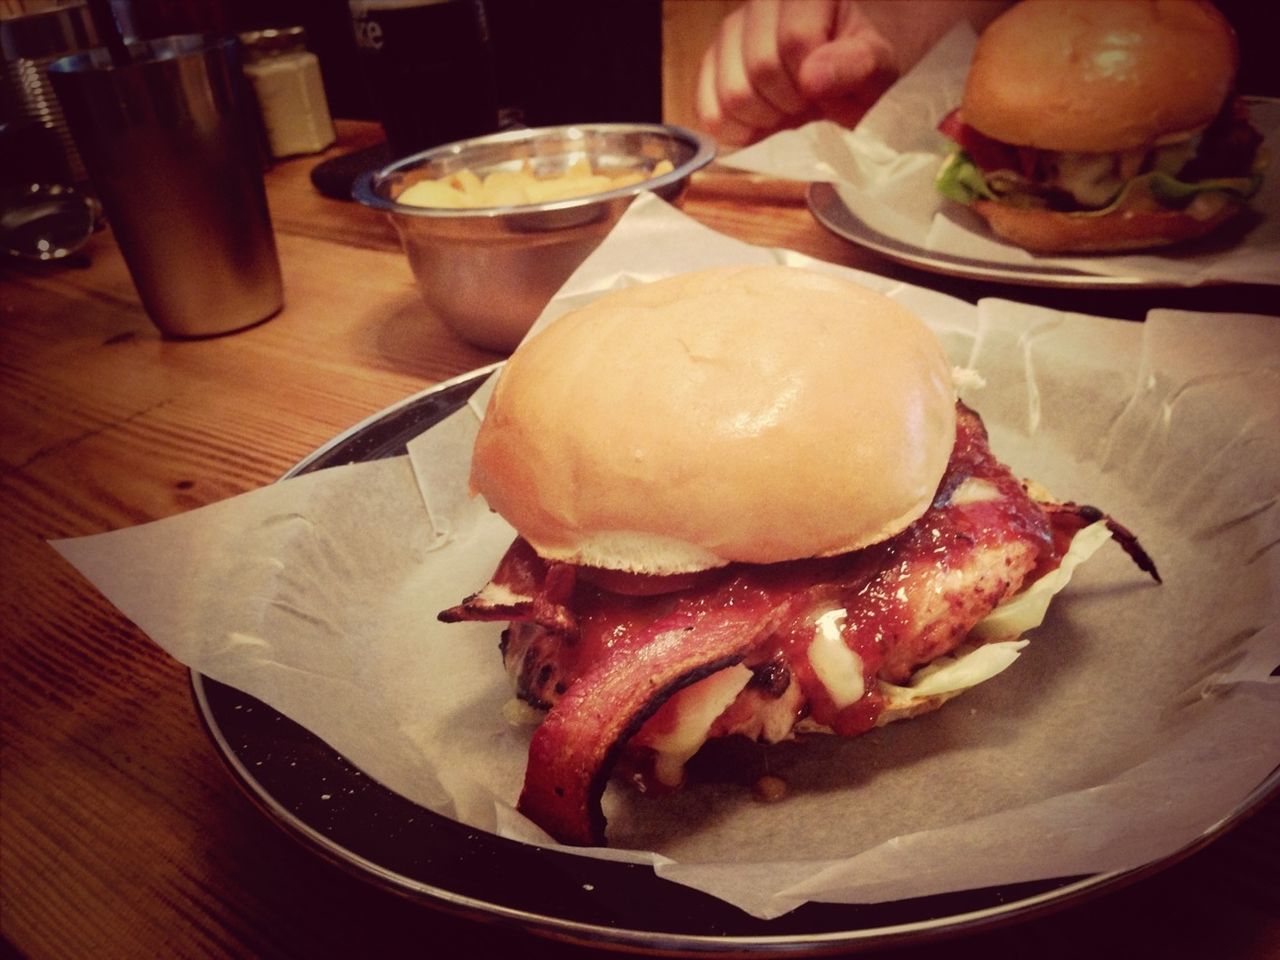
1103, 125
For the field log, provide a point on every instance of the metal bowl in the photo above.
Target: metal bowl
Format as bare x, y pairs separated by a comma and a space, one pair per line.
487, 272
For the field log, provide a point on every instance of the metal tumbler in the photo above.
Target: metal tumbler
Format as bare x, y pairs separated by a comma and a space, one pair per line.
169, 145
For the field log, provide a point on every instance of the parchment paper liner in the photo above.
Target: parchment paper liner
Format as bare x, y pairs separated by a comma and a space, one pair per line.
1138, 718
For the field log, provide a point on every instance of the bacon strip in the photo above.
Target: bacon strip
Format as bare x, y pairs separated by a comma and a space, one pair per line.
1069, 518
573, 751
524, 588
987, 152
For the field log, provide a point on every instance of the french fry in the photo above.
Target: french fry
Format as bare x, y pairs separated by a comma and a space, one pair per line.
514, 188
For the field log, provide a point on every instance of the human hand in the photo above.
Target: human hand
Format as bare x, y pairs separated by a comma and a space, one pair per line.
780, 63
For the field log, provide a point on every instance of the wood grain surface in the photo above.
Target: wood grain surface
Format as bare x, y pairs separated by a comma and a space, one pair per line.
121, 832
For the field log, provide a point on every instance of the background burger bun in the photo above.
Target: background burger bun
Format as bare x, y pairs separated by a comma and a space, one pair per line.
1049, 231
1097, 76
753, 414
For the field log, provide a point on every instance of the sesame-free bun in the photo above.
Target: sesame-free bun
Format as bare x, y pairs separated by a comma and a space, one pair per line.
1051, 231
753, 414
1097, 76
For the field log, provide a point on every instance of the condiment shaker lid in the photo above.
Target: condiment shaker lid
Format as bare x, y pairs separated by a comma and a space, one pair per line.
272, 42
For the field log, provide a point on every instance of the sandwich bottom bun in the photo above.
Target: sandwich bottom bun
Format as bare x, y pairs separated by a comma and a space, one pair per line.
739, 414
1048, 231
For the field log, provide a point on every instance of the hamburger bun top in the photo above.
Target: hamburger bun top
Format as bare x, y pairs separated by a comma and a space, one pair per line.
1097, 76
753, 414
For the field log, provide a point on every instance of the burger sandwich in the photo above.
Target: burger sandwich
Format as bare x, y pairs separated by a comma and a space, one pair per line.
747, 503
1103, 125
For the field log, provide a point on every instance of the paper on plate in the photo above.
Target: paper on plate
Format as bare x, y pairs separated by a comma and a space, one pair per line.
883, 171
1138, 717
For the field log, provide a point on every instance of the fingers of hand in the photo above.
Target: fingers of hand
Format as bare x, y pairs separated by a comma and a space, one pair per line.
768, 65
747, 87
738, 96
711, 113
777, 63
859, 61
803, 26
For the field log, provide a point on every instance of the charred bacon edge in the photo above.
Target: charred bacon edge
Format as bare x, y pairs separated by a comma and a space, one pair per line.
532, 677
567, 770
1126, 538
567, 811
531, 590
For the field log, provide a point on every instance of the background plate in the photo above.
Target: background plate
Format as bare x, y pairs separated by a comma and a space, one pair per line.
328, 804
830, 211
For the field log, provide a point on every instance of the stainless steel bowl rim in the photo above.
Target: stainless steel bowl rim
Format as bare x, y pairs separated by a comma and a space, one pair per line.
704, 152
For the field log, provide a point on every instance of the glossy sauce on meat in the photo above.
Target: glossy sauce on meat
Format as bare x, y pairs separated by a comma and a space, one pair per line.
636, 672
621, 669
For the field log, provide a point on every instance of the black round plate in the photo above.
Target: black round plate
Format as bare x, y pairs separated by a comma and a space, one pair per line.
331, 806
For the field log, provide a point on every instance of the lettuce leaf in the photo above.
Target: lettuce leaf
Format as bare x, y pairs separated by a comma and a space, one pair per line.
966, 667
1172, 192
961, 180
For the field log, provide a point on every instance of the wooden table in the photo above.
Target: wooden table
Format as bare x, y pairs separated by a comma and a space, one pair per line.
121, 833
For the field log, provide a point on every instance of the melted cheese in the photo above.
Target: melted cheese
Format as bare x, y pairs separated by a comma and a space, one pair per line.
696, 707
1092, 178
837, 667
975, 490
1095, 179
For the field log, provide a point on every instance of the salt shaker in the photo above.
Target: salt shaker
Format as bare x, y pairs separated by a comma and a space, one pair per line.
286, 78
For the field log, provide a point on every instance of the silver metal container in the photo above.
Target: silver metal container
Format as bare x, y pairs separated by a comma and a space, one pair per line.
28, 44
169, 146
488, 272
